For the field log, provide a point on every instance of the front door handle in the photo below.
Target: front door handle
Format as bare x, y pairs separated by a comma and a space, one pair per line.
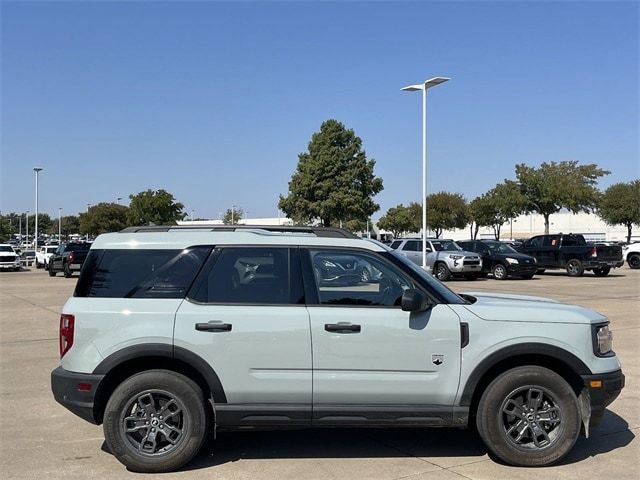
342, 327
213, 327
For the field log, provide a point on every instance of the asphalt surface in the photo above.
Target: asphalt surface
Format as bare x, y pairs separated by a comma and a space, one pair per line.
40, 439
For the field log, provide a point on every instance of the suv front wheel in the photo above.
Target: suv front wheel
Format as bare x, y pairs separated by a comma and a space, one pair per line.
529, 417
155, 421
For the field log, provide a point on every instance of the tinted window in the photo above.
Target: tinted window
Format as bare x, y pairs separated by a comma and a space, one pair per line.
4, 248
140, 273
354, 278
573, 240
395, 244
412, 246
468, 246
551, 241
249, 276
482, 248
534, 242
445, 245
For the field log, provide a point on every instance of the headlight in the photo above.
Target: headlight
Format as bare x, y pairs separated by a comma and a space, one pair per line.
456, 257
511, 261
603, 343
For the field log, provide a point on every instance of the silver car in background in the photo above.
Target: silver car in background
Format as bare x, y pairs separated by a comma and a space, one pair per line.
445, 258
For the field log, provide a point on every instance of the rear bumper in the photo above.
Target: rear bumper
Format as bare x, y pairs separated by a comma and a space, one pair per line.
599, 397
76, 392
604, 263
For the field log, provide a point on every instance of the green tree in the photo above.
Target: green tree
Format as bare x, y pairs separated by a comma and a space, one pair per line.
44, 223
333, 181
70, 225
558, 185
446, 211
157, 207
496, 207
232, 216
103, 218
620, 205
398, 220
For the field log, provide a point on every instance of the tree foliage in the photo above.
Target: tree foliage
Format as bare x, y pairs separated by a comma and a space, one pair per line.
157, 207
400, 219
232, 216
557, 185
496, 207
70, 225
446, 211
620, 205
333, 181
103, 218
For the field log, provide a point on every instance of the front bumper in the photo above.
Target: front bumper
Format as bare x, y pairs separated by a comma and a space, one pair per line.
76, 392
518, 269
611, 384
10, 266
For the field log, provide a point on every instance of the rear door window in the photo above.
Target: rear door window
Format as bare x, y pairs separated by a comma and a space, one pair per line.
140, 273
412, 246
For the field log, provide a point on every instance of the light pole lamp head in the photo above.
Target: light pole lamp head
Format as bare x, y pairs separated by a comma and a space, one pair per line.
37, 169
432, 82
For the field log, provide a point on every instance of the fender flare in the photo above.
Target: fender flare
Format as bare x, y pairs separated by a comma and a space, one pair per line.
531, 348
166, 351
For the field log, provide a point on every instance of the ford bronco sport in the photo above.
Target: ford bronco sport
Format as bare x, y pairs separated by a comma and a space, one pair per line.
176, 331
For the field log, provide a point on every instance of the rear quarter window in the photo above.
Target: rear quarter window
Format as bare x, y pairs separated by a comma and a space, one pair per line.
140, 273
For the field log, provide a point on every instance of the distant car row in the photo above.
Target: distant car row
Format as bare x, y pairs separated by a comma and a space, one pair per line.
66, 258
475, 258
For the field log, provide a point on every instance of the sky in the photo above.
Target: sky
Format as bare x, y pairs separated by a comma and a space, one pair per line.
214, 101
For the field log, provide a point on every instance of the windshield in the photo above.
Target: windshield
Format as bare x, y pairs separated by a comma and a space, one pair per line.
6, 248
501, 248
448, 295
445, 245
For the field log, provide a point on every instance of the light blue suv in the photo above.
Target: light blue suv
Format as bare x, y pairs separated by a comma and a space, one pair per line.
175, 331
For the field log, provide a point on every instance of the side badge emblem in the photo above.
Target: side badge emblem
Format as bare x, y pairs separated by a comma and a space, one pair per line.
437, 358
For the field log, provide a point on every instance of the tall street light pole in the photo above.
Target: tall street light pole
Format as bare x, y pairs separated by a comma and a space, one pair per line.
59, 224
88, 205
27, 228
35, 239
432, 82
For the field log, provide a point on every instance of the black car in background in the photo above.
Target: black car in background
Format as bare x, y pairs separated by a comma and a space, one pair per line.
68, 258
501, 259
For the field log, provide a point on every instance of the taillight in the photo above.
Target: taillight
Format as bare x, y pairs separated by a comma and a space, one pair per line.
594, 252
71, 257
67, 323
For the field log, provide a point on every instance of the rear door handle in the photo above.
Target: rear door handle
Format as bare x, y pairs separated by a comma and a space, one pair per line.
342, 327
213, 327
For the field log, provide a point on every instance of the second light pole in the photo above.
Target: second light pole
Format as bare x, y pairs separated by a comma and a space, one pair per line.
432, 82
35, 239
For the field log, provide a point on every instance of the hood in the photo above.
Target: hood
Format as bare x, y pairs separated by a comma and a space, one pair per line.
505, 307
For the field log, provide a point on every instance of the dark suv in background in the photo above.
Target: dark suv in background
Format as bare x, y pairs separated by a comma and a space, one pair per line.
501, 259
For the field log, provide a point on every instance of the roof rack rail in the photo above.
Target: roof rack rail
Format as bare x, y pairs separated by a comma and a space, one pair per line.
317, 231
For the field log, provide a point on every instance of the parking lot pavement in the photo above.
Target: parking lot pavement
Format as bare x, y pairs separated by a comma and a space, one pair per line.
40, 439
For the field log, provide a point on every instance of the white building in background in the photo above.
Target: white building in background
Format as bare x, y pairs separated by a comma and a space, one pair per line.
525, 226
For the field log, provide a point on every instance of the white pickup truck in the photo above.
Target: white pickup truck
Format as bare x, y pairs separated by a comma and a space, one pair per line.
43, 254
631, 253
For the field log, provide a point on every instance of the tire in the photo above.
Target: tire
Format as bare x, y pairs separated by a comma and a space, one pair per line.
601, 272
500, 272
146, 395
52, 272
365, 276
442, 272
633, 260
67, 271
46, 266
38, 265
575, 268
515, 390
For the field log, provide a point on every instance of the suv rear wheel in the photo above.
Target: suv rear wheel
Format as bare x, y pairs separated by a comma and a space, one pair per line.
634, 260
155, 421
529, 417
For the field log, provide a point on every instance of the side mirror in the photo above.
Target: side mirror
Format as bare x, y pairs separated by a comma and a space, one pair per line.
415, 301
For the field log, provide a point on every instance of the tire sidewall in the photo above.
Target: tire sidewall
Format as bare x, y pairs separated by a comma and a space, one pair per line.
194, 432
442, 272
579, 267
497, 268
634, 260
489, 416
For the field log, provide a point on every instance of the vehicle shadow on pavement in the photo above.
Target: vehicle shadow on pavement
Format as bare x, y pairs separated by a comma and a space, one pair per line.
338, 443
450, 443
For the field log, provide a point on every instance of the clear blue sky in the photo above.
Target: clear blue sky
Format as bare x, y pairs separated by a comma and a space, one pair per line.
213, 101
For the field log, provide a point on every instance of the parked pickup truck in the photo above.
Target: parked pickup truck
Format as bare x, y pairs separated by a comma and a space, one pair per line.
632, 254
573, 253
68, 258
43, 254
